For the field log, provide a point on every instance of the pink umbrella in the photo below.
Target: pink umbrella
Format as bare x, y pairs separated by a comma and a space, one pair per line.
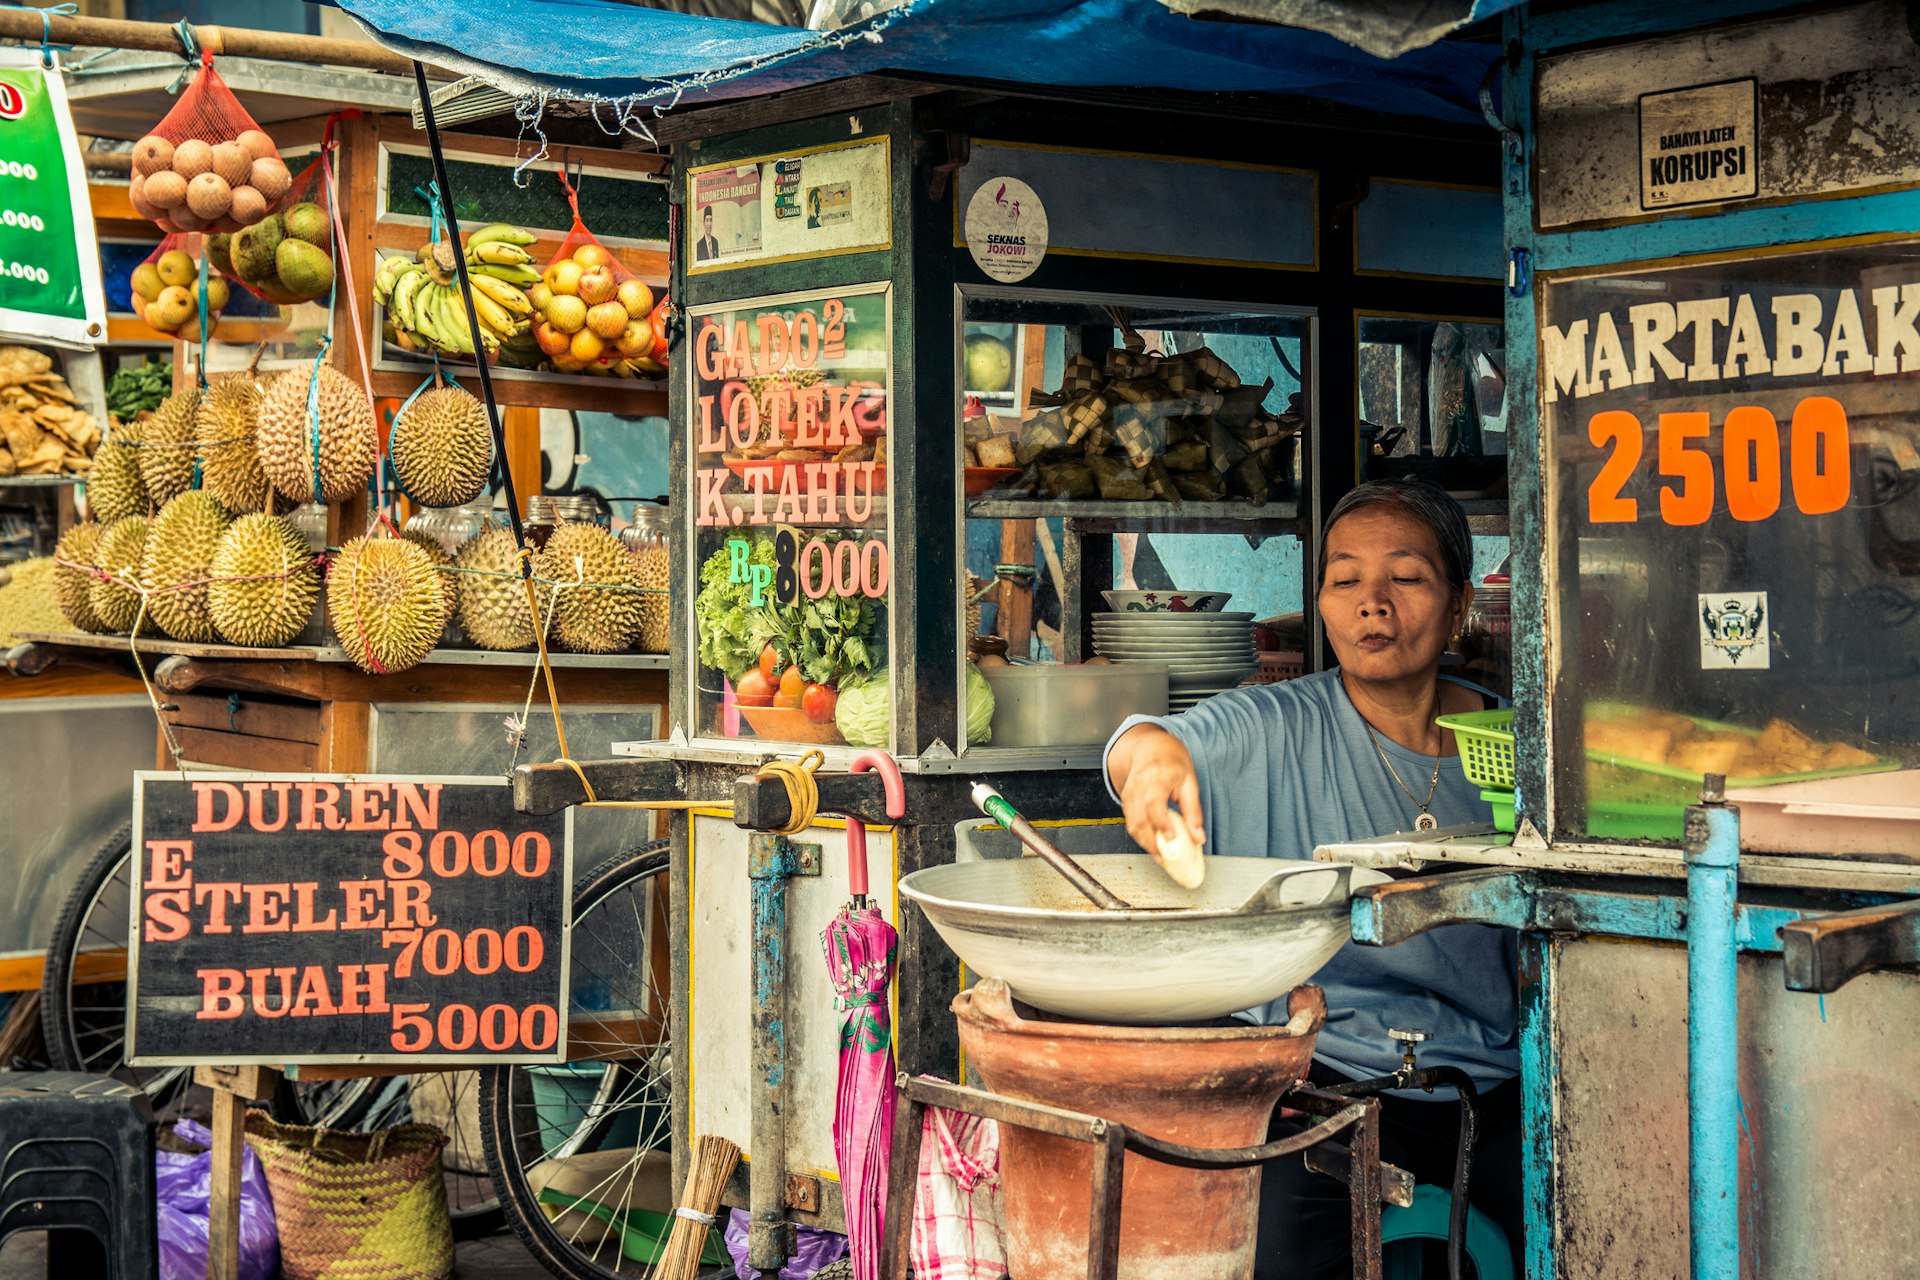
859, 945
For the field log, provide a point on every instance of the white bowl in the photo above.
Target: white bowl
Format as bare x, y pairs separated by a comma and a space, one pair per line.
1176, 602
1017, 919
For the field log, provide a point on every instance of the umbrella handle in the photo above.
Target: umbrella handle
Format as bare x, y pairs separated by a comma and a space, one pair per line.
883, 764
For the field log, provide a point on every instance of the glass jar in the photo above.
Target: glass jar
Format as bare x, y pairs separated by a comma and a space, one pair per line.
646, 540
582, 509
311, 521
542, 520
1486, 637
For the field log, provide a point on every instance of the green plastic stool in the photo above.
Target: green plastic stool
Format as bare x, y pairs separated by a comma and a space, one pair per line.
1486, 1243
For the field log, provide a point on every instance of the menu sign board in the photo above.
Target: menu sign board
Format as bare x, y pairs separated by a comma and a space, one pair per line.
306, 918
49, 267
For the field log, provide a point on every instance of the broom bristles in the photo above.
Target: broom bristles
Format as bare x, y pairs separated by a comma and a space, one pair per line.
714, 1159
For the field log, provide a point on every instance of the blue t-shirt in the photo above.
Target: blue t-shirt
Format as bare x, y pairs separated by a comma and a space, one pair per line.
1286, 767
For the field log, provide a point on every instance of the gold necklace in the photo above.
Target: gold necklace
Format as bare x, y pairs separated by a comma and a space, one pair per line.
1426, 821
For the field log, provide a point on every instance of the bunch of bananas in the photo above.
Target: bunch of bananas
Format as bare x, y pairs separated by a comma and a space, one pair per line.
422, 295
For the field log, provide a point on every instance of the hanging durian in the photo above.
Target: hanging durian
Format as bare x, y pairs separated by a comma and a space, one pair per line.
386, 603
601, 614
72, 576
265, 582
179, 562
121, 550
168, 448
442, 448
227, 427
114, 488
442, 565
493, 609
346, 440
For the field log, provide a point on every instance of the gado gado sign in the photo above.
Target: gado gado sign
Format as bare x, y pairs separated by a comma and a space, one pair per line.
1697, 145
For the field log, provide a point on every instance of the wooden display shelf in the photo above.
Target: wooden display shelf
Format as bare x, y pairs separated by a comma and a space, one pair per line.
522, 658
1159, 515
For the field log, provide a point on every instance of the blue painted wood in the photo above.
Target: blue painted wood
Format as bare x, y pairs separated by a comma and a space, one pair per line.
1539, 1083
1731, 229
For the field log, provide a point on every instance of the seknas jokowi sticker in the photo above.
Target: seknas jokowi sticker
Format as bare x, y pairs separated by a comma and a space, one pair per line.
1007, 229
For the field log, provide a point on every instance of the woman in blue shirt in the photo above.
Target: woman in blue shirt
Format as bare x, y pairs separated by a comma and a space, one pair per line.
1351, 754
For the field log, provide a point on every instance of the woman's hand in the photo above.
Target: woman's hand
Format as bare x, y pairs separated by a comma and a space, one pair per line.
1152, 770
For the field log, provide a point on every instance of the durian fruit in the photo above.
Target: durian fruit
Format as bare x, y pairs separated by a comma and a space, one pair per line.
114, 488
442, 448
443, 567
121, 551
72, 585
180, 549
285, 438
168, 448
386, 603
493, 610
226, 427
265, 582
603, 615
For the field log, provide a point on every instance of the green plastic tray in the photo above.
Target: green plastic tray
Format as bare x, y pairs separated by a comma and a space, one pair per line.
1626, 799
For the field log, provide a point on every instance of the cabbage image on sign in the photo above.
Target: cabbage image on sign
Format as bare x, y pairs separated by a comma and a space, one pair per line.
302, 918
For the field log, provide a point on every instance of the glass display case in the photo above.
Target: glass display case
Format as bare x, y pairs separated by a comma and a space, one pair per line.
1112, 444
1734, 527
788, 445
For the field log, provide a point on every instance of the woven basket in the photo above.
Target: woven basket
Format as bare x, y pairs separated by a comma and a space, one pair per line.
356, 1206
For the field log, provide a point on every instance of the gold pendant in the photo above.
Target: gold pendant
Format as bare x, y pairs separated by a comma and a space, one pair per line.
1425, 822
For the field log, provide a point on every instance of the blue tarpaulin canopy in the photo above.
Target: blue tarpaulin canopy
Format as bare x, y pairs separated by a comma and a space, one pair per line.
601, 49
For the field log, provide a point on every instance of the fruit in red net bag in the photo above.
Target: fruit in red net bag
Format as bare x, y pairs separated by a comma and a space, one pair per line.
592, 315
425, 310
167, 295
286, 256
207, 165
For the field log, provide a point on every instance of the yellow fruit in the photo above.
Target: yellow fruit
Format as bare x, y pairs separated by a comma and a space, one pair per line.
217, 294
171, 309
586, 346
552, 341
635, 338
567, 364
567, 314
540, 295
591, 255
147, 281
597, 285
176, 266
563, 277
636, 298
608, 319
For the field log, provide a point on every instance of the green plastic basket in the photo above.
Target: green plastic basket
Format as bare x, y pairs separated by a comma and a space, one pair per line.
1626, 799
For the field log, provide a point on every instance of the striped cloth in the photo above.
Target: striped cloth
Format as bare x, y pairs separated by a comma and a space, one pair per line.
956, 1218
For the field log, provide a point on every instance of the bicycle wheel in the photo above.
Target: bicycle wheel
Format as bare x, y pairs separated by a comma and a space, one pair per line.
581, 1152
83, 989
83, 1015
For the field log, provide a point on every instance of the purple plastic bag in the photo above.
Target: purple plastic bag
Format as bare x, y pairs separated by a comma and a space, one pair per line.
183, 1185
815, 1249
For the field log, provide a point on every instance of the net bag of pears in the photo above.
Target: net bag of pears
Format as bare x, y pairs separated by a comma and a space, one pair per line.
593, 315
167, 291
207, 166
287, 256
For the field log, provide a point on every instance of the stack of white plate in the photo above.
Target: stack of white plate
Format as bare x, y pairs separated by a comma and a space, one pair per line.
1204, 653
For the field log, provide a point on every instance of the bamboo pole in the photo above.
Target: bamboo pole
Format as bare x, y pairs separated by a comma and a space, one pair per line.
239, 42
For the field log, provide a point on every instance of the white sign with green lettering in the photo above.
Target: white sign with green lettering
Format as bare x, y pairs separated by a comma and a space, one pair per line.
49, 264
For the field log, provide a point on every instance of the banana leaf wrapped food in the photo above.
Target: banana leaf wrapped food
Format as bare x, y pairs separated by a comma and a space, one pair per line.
1118, 480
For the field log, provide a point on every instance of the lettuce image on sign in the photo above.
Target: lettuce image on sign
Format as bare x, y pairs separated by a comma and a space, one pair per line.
1006, 229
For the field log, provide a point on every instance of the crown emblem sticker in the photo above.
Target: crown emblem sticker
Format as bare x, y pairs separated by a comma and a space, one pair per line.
1733, 631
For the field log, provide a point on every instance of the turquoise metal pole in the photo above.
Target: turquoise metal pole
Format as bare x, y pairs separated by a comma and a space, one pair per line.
1713, 1082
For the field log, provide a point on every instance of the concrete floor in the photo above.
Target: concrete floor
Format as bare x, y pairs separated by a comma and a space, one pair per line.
498, 1257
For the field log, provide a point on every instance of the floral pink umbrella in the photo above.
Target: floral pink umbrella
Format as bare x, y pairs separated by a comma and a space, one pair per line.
860, 945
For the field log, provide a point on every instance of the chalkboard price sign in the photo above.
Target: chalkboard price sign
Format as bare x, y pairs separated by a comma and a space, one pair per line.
285, 918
